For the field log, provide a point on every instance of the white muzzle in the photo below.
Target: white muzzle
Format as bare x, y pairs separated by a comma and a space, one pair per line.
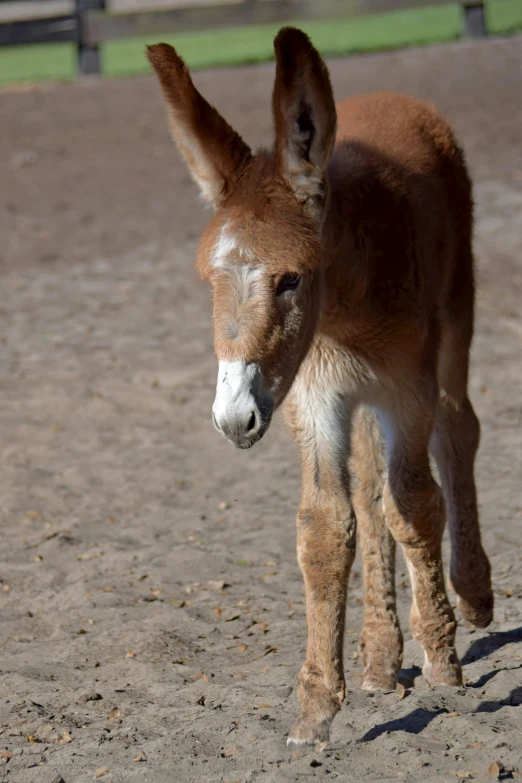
243, 406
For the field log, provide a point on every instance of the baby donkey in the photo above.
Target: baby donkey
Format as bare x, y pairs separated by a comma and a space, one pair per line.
342, 271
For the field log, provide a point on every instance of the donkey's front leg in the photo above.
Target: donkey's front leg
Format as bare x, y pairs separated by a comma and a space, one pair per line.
325, 549
381, 642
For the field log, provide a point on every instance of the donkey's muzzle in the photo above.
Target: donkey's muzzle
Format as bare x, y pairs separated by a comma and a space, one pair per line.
242, 433
242, 409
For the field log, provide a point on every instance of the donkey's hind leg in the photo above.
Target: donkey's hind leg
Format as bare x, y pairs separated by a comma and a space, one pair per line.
454, 445
381, 639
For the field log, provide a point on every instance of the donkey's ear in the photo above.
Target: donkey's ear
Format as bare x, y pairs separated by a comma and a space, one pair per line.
304, 114
215, 154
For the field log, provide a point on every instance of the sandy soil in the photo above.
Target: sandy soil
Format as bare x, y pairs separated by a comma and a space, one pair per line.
152, 618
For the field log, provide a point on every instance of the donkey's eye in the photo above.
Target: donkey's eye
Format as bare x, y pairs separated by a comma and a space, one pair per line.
288, 282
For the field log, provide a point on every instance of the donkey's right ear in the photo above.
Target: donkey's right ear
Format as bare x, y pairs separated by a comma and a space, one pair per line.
214, 152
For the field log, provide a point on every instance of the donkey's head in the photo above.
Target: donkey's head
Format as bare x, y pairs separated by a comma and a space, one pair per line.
262, 249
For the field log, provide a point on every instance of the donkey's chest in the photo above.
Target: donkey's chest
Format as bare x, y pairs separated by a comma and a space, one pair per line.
332, 370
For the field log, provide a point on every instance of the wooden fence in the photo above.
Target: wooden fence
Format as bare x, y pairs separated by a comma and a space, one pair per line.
91, 22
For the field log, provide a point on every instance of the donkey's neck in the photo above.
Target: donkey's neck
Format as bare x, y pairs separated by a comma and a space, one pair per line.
346, 268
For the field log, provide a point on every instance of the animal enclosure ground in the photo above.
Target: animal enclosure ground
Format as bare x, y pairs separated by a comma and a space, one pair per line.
151, 607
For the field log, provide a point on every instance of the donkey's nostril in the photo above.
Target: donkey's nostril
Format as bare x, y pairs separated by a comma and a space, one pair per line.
251, 422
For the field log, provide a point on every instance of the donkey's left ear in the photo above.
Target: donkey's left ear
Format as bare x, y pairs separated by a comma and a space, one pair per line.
304, 114
215, 154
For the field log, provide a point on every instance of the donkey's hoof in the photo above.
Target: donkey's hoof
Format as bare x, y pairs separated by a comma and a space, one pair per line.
306, 732
375, 680
474, 594
444, 671
478, 613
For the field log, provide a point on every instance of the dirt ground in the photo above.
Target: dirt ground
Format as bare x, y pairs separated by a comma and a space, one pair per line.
152, 616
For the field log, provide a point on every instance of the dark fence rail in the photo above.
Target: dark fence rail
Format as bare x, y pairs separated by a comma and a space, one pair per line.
91, 23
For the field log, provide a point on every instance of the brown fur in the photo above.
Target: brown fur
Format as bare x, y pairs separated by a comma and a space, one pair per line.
377, 332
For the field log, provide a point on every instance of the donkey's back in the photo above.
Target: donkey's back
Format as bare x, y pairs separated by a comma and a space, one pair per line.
401, 187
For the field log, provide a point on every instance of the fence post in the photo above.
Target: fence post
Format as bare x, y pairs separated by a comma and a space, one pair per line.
88, 55
474, 20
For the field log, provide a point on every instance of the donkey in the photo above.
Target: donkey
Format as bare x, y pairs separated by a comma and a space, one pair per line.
342, 271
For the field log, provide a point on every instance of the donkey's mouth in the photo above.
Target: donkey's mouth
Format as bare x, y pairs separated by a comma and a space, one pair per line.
244, 440
248, 442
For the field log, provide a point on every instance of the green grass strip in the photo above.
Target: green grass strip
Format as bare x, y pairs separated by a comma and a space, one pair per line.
38, 62
255, 43
504, 16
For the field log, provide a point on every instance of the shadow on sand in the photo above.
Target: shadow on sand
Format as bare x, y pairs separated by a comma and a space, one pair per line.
417, 720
